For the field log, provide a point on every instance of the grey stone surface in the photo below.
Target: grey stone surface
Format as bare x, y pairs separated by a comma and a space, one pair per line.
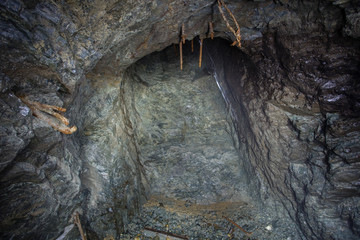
112, 175
293, 131
183, 130
38, 179
294, 105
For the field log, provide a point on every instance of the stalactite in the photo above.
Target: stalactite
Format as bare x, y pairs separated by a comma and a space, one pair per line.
181, 56
200, 56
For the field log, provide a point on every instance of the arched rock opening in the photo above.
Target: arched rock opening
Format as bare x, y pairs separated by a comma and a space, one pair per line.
169, 131
289, 133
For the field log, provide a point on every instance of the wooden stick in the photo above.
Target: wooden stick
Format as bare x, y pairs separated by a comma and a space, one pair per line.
200, 56
192, 45
58, 121
231, 14
78, 224
60, 109
50, 110
231, 221
56, 125
236, 33
225, 19
166, 233
211, 29
183, 36
181, 56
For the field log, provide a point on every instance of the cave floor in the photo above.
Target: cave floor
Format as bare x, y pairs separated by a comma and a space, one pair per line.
186, 218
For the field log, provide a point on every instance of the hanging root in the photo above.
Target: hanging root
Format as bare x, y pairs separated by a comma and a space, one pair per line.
211, 30
192, 45
200, 56
78, 224
237, 32
181, 56
183, 36
51, 115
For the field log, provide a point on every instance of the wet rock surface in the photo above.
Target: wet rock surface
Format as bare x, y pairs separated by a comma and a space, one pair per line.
292, 94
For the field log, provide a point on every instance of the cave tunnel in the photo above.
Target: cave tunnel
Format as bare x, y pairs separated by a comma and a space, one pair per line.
153, 120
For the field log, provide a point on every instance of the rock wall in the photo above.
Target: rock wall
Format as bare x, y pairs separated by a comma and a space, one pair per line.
112, 176
295, 108
300, 129
184, 133
39, 181
47, 47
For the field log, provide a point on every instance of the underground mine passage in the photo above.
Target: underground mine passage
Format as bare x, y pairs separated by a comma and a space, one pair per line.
185, 156
179, 119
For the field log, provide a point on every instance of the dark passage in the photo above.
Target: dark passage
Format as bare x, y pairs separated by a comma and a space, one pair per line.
190, 150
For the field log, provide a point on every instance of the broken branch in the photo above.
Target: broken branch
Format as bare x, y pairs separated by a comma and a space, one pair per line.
51, 110
231, 14
78, 224
45, 112
166, 234
200, 56
181, 56
211, 30
232, 222
183, 36
237, 32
